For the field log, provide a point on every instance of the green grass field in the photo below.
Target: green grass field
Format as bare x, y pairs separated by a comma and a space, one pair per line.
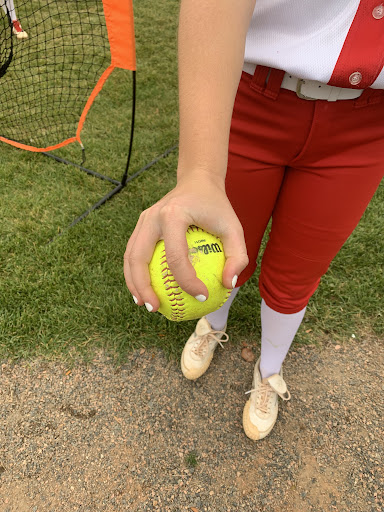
68, 298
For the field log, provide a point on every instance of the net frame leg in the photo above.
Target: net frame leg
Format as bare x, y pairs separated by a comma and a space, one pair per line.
125, 179
82, 168
115, 191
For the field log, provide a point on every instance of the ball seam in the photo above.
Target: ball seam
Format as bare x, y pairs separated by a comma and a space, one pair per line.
172, 291
172, 288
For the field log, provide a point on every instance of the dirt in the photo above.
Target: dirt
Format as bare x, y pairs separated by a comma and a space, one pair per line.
140, 437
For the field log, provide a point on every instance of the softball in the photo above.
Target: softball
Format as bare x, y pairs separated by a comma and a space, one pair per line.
206, 253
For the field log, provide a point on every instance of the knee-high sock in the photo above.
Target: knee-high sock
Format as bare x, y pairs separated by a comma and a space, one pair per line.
277, 333
8, 4
218, 318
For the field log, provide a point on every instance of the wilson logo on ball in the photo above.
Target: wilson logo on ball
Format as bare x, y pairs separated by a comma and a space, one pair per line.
206, 248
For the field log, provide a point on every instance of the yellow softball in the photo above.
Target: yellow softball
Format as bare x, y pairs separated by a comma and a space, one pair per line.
206, 253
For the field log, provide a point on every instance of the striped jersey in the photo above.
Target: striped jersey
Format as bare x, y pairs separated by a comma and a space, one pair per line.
338, 42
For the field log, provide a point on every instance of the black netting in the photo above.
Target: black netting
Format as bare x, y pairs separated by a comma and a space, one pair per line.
46, 79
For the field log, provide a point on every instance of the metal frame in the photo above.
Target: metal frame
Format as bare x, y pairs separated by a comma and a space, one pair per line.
125, 179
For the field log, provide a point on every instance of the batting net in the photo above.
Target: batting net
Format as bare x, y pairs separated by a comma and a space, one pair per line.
54, 60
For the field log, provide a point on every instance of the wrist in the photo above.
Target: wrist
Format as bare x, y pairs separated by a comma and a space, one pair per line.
201, 176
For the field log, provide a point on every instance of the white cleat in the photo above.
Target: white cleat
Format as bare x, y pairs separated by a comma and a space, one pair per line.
260, 412
199, 349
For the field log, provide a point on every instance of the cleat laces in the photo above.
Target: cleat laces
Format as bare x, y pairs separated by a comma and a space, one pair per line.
202, 344
265, 391
263, 398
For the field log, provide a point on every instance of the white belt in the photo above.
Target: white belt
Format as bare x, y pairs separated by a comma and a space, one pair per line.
311, 89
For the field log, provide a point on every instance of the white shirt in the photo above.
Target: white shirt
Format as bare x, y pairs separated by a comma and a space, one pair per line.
340, 42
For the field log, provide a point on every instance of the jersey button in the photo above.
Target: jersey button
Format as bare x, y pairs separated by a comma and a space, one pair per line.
378, 12
355, 78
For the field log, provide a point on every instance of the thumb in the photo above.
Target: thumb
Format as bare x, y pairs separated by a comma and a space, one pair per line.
236, 256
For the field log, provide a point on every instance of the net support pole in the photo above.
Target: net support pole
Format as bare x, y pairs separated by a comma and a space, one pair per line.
125, 175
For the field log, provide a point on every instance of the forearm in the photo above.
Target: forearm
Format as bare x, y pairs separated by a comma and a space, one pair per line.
211, 51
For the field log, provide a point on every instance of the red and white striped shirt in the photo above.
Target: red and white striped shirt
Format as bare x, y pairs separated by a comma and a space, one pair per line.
338, 42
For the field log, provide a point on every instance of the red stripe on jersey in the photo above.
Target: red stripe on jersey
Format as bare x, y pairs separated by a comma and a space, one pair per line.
362, 57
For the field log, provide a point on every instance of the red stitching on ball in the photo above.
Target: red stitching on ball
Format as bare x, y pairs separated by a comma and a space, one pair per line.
171, 285
174, 291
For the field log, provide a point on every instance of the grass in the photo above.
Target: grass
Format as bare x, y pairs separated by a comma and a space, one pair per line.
68, 299
191, 459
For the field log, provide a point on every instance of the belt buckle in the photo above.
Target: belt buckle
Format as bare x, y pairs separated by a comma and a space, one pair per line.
300, 82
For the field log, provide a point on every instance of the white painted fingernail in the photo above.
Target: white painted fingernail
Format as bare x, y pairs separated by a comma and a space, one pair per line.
148, 306
135, 299
201, 298
234, 281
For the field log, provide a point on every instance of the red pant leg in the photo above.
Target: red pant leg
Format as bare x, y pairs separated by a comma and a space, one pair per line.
263, 138
322, 198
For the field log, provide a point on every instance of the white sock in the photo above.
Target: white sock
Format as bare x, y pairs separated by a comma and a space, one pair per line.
277, 333
219, 318
11, 8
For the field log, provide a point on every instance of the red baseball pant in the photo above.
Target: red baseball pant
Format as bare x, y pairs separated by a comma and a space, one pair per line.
313, 166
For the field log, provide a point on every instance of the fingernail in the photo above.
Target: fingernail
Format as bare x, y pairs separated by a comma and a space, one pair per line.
201, 298
148, 306
135, 299
234, 281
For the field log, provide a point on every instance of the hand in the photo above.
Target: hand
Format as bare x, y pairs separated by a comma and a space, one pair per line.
201, 201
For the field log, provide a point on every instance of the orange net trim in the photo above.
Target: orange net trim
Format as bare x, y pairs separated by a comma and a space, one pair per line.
121, 33
120, 26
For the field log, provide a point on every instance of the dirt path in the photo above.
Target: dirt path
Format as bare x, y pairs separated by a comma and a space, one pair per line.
142, 438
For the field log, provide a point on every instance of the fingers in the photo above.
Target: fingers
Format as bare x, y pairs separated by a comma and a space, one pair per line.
139, 253
236, 255
137, 256
169, 220
176, 249
127, 270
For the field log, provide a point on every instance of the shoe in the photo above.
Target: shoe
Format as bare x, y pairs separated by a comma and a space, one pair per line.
18, 31
260, 412
198, 351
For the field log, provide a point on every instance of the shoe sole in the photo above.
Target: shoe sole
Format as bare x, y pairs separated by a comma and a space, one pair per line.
20, 35
194, 374
250, 429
